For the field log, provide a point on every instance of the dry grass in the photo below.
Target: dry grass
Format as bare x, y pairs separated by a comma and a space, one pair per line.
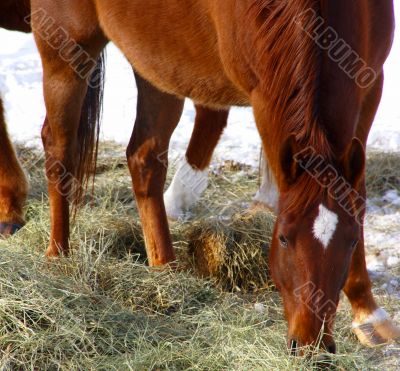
103, 309
234, 252
383, 173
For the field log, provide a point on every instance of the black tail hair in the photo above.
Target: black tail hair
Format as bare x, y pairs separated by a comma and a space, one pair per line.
88, 132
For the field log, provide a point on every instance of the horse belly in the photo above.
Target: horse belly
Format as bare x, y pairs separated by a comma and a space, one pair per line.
173, 45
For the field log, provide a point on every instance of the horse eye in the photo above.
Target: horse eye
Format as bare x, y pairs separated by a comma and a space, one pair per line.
354, 244
283, 241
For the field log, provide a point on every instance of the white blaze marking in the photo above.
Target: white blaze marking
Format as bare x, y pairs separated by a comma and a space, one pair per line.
325, 225
268, 193
185, 190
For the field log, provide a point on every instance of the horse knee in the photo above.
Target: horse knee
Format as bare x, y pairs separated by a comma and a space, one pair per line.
46, 134
148, 168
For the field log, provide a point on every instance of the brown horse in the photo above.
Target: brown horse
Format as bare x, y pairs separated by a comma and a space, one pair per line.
209, 125
276, 56
181, 195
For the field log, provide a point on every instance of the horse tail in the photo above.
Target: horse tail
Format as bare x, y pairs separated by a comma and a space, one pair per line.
88, 133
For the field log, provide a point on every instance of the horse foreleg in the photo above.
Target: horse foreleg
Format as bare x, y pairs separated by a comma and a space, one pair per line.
371, 324
191, 177
147, 153
13, 184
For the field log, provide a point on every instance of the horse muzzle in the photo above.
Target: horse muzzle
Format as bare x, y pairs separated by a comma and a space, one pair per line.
8, 229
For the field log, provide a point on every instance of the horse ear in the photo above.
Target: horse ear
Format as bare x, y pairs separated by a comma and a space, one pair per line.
289, 166
354, 162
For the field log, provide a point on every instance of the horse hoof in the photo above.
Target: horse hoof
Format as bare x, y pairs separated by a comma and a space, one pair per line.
174, 214
377, 330
8, 229
257, 206
174, 217
52, 254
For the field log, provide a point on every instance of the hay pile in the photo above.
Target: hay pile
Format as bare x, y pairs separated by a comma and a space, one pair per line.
92, 314
95, 312
234, 253
103, 309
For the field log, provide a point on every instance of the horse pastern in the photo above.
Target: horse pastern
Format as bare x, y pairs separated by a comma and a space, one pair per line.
368, 336
256, 206
174, 213
266, 199
8, 229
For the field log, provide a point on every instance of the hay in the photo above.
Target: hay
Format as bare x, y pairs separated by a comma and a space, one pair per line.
383, 173
235, 254
103, 309
91, 314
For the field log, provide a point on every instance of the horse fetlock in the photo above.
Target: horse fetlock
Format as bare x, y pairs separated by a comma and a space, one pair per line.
172, 207
185, 190
266, 198
56, 250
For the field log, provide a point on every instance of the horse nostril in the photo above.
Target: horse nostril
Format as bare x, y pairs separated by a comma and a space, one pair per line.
293, 347
332, 349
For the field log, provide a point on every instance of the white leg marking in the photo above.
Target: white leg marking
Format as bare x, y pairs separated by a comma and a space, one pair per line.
268, 193
185, 190
325, 225
377, 316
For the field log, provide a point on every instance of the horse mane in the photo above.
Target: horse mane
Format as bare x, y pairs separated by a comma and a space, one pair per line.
288, 62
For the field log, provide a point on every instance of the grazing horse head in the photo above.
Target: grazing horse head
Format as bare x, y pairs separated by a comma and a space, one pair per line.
316, 233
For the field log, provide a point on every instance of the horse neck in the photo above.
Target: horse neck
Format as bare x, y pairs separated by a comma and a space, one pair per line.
306, 92
340, 94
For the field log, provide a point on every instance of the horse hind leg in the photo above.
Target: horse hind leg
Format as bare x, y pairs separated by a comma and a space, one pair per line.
158, 114
13, 184
70, 132
191, 177
268, 194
